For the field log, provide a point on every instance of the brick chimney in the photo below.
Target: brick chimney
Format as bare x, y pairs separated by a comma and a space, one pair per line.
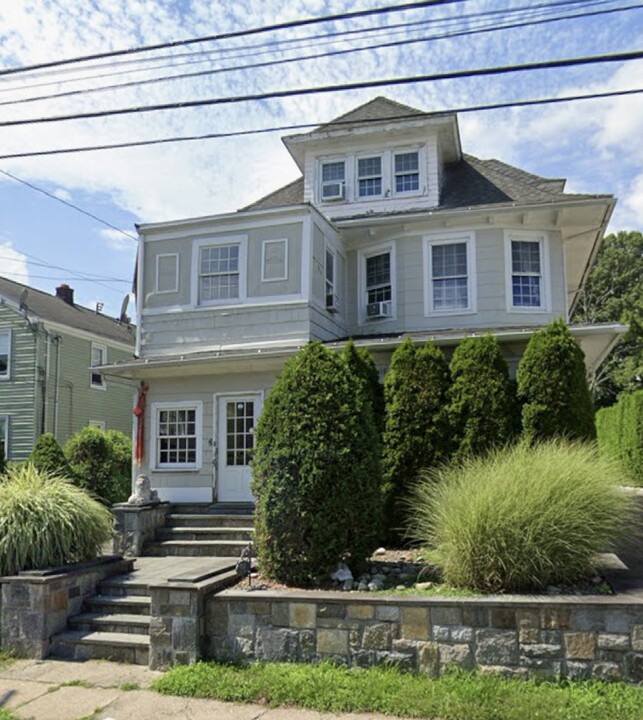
65, 293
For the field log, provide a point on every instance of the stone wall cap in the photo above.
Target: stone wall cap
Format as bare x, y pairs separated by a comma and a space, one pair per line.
152, 505
517, 601
50, 574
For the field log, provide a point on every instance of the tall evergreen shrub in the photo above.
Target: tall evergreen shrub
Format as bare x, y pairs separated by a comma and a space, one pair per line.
482, 403
315, 471
360, 362
48, 456
417, 432
620, 434
553, 387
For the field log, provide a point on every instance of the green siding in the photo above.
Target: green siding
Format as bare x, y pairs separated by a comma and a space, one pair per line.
17, 396
28, 398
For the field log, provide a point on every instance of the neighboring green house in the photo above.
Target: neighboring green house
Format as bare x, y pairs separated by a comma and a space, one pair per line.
48, 346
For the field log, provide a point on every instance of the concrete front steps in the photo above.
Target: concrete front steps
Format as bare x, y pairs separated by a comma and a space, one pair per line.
203, 532
114, 625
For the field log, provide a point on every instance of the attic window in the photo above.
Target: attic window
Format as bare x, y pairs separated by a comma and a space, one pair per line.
333, 180
407, 172
369, 176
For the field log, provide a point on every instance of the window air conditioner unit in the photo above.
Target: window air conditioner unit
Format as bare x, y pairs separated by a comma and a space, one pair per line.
332, 303
333, 191
377, 310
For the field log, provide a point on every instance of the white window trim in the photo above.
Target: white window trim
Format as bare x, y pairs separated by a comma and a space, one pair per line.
274, 241
242, 242
8, 333
449, 239
422, 183
103, 384
382, 176
175, 289
320, 174
542, 238
362, 255
5, 439
330, 250
100, 424
195, 405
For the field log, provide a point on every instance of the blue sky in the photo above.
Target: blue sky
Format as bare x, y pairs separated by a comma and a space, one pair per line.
595, 144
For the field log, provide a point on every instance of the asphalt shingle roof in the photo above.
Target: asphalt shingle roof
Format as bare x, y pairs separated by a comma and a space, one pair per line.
54, 309
469, 183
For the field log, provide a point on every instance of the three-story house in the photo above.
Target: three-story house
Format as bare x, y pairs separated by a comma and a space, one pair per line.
391, 231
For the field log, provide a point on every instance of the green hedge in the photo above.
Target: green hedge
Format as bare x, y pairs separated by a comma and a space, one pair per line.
620, 434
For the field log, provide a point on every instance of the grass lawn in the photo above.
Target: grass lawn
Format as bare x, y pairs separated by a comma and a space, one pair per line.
6, 715
457, 696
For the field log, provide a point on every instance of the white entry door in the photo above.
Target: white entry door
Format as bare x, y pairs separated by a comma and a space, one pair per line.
237, 415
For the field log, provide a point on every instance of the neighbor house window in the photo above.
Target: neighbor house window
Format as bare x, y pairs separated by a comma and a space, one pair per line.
177, 429
98, 357
100, 424
274, 260
369, 176
5, 354
407, 172
4, 436
167, 273
219, 272
333, 180
525, 271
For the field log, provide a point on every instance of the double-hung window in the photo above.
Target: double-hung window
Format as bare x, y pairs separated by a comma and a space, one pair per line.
526, 281
329, 280
98, 357
177, 429
333, 180
219, 272
377, 282
369, 176
407, 172
5, 354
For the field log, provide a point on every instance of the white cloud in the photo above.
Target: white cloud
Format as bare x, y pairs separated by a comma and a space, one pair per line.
115, 240
62, 194
13, 264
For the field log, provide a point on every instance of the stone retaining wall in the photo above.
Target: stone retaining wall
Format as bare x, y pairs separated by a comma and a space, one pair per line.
134, 525
35, 606
575, 637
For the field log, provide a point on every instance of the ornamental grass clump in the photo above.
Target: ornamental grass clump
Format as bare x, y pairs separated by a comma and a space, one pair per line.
520, 518
45, 521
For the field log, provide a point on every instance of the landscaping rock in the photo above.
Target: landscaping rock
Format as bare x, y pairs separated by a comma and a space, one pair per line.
424, 586
380, 551
342, 573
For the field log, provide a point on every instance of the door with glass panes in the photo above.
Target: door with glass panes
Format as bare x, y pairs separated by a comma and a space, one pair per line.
237, 415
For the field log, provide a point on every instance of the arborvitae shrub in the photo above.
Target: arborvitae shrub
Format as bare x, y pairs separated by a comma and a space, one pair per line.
315, 471
417, 432
482, 403
553, 387
620, 434
362, 365
98, 461
48, 456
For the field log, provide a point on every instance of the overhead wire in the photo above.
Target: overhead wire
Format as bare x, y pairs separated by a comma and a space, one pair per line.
320, 39
233, 34
334, 53
342, 87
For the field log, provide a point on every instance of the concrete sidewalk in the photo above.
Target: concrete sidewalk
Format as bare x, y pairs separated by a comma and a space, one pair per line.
97, 689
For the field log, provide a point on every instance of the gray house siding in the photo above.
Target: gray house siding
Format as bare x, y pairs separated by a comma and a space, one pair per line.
18, 392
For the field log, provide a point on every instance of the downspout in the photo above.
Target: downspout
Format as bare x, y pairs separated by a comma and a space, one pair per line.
45, 391
57, 339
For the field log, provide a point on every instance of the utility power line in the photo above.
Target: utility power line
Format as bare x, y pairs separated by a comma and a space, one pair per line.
332, 53
335, 123
232, 34
273, 46
323, 89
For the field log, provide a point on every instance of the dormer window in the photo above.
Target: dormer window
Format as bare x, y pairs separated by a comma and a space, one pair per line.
407, 172
333, 180
369, 176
